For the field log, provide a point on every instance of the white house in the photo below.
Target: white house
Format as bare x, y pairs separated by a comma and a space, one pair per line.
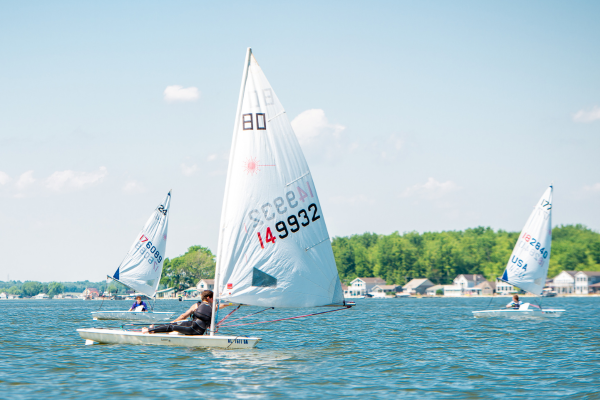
168, 293
565, 282
432, 291
42, 296
362, 286
3, 296
584, 279
468, 280
453, 290
206, 284
417, 286
504, 288
384, 290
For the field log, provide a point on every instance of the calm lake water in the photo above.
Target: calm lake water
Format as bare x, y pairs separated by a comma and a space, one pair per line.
397, 348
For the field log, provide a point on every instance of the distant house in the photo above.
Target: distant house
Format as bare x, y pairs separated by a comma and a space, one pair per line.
90, 293
453, 290
3, 296
468, 280
432, 291
168, 293
385, 290
504, 288
206, 284
485, 288
564, 283
417, 286
41, 296
346, 291
585, 279
362, 286
595, 288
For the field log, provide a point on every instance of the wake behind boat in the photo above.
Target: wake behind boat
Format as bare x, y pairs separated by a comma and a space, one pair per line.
527, 267
141, 268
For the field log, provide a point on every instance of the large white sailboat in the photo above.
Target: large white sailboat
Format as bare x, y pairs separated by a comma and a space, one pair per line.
527, 267
141, 268
274, 248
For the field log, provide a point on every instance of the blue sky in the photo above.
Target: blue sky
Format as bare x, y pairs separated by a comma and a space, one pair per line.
421, 116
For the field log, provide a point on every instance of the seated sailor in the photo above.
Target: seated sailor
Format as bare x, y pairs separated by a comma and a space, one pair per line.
515, 303
201, 314
139, 303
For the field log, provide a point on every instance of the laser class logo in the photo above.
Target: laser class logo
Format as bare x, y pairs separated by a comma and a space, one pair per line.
252, 166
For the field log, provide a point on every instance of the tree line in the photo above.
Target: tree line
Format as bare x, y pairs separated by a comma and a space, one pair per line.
397, 258
441, 256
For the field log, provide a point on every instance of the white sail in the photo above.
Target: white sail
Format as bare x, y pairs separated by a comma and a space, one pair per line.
142, 267
274, 248
527, 267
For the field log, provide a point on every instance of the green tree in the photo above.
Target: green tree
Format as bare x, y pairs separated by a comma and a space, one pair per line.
55, 288
186, 270
32, 288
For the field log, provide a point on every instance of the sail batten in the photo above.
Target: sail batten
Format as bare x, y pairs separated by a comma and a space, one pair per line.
273, 234
527, 267
141, 268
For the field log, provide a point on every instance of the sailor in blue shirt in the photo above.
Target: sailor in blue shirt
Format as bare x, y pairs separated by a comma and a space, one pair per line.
139, 302
515, 303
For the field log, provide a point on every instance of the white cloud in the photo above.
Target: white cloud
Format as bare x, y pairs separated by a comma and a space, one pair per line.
75, 180
188, 170
4, 178
430, 190
25, 180
587, 116
311, 124
212, 157
592, 188
132, 187
179, 93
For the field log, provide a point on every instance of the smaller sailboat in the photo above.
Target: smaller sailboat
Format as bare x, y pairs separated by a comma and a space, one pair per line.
527, 267
141, 268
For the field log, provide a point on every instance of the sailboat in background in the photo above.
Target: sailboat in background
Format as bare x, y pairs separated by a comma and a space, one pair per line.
142, 267
274, 248
527, 267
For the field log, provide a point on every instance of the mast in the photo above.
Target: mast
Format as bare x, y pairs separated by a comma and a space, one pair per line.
229, 169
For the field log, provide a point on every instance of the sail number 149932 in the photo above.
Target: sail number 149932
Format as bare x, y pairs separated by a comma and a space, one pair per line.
294, 225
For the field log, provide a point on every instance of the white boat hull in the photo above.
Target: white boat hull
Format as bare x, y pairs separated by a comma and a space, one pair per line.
545, 313
138, 316
119, 336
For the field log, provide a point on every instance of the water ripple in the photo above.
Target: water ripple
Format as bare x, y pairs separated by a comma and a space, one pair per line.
410, 348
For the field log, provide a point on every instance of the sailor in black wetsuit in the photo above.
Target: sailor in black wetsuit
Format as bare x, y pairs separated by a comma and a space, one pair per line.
201, 314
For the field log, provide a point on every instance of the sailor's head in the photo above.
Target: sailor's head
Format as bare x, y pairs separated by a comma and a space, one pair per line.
516, 297
207, 296
138, 299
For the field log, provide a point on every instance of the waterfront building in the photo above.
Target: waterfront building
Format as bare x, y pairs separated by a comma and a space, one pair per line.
504, 288
362, 286
417, 286
432, 291
168, 293
585, 279
206, 284
485, 288
41, 296
468, 280
453, 290
3, 296
385, 290
90, 293
564, 283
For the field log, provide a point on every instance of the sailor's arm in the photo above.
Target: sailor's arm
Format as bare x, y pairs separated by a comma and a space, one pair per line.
186, 314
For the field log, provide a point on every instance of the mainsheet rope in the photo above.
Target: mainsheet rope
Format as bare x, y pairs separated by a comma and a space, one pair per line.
285, 319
